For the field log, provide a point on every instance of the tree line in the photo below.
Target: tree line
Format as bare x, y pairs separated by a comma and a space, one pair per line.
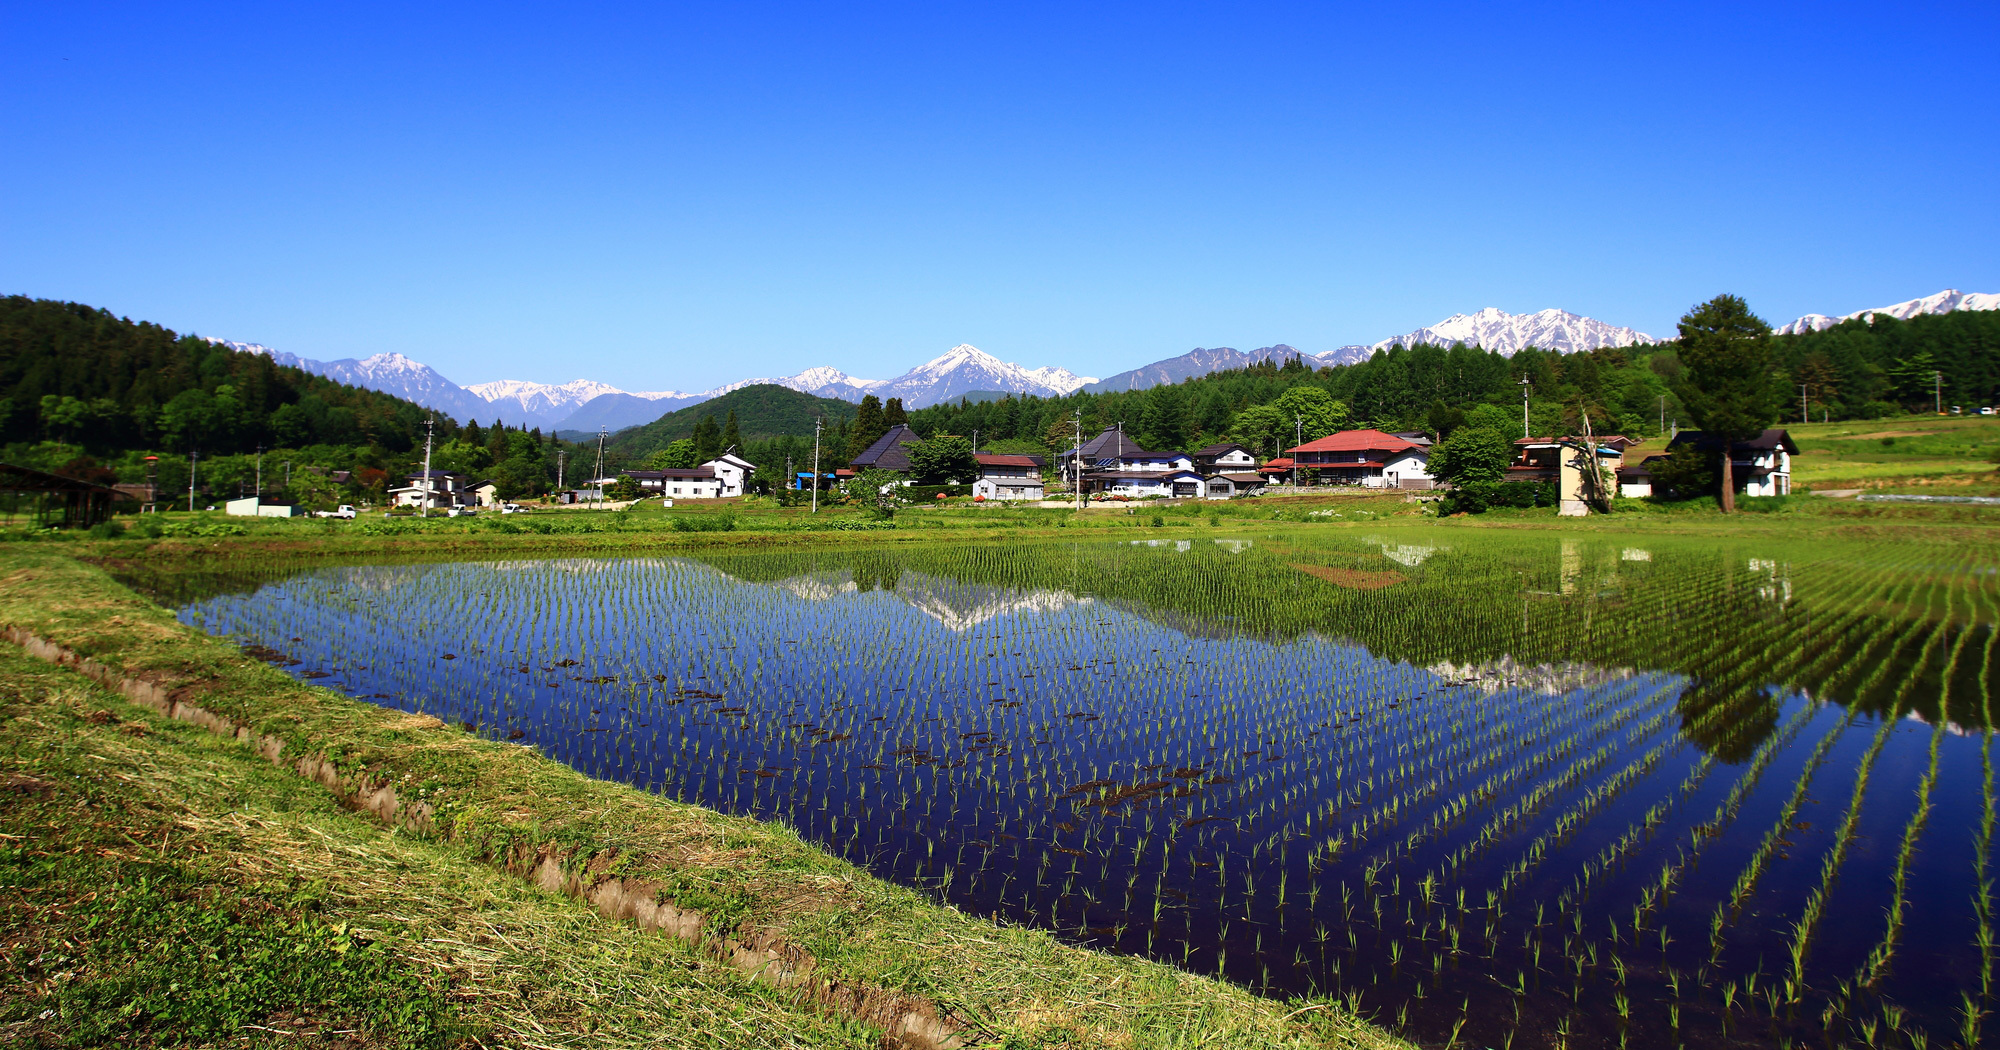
90, 394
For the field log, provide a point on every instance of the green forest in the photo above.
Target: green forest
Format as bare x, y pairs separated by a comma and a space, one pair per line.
87, 393
90, 394
1855, 370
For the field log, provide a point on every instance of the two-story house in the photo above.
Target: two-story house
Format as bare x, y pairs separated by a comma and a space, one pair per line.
439, 489
1004, 477
1369, 458
1761, 466
719, 478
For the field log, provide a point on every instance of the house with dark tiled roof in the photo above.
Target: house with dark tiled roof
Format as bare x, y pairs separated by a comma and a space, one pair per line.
1760, 466
887, 452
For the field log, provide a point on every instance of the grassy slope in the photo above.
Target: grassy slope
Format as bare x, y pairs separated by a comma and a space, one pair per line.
1947, 455
245, 825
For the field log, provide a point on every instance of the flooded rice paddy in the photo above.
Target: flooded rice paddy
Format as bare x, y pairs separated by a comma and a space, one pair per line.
1492, 790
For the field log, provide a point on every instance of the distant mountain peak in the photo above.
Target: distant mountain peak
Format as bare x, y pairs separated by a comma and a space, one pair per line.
1948, 301
1506, 334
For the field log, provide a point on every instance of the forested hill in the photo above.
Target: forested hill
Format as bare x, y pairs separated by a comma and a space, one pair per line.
763, 412
81, 375
1853, 370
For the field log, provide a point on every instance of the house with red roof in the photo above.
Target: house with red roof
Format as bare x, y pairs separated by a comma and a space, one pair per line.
1004, 477
1369, 458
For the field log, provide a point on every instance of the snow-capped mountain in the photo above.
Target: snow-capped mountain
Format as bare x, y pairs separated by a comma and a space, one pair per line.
390, 373
1199, 361
1947, 301
964, 369
1505, 333
553, 404
961, 370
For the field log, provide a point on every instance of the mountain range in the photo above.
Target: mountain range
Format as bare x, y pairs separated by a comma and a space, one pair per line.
588, 405
1947, 301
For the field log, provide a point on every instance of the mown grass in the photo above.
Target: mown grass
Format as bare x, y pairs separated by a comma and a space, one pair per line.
491, 798
163, 886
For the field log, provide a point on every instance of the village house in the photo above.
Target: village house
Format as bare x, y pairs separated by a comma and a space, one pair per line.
1219, 459
1240, 483
440, 489
1004, 477
1564, 462
1761, 466
1369, 458
719, 478
887, 453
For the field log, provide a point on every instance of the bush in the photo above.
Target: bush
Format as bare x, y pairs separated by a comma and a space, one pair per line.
1477, 497
107, 530
703, 522
848, 525
930, 493
198, 528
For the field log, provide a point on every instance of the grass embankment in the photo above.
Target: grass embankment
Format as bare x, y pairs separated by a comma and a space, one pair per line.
166, 884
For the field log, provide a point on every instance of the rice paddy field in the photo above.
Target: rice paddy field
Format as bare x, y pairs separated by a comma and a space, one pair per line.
1493, 789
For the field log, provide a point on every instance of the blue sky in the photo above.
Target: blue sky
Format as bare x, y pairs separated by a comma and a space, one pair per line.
674, 197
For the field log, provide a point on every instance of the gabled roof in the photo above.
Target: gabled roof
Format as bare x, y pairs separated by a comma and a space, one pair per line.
731, 457
1243, 478
887, 451
1355, 441
1112, 444
992, 459
1223, 449
1765, 442
1139, 475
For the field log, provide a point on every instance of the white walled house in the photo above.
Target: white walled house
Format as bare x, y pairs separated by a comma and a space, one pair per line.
1228, 458
1369, 458
1162, 484
732, 473
1760, 466
1003, 477
439, 489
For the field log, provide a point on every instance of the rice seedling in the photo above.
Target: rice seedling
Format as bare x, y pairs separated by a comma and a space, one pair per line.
1526, 777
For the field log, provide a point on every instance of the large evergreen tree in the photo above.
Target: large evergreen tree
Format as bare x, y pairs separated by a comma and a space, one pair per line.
1725, 383
867, 426
731, 438
893, 414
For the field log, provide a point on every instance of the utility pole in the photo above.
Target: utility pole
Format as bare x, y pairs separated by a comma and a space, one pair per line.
1938, 391
1663, 413
1524, 408
791, 479
1805, 412
817, 423
1078, 453
430, 424
193, 456
260, 474
288, 479
561, 455
597, 472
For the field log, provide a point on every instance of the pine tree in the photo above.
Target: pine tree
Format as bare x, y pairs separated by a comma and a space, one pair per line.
707, 439
867, 426
1726, 383
731, 439
893, 414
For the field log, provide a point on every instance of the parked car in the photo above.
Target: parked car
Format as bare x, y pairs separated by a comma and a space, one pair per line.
344, 511
512, 508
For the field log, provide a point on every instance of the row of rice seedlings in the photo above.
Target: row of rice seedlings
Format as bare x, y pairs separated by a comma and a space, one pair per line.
1844, 835
1878, 957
